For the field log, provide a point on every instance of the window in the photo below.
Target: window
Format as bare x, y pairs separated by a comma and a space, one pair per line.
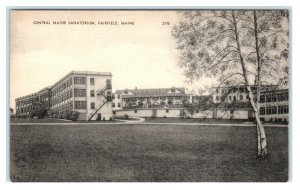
80, 104
173, 90
114, 112
92, 81
113, 96
241, 97
234, 98
274, 110
269, 110
247, 96
274, 97
125, 92
231, 111
135, 111
108, 83
79, 92
119, 105
262, 110
119, 96
113, 105
283, 97
229, 98
92, 92
79, 80
92, 105
167, 111
217, 90
283, 109
217, 98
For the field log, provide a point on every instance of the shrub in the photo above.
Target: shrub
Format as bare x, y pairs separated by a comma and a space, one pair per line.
74, 115
126, 116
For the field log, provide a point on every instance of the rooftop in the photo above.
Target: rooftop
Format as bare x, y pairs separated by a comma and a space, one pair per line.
82, 73
153, 92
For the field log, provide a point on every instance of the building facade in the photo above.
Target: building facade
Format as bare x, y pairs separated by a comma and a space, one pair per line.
233, 102
25, 104
89, 93
274, 105
150, 102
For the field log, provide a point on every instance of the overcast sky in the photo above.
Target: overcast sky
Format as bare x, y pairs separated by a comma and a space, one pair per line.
142, 55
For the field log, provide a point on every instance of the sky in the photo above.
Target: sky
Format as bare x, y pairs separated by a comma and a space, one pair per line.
142, 55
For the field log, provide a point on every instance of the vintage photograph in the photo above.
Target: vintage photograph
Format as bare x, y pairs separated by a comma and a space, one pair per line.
149, 95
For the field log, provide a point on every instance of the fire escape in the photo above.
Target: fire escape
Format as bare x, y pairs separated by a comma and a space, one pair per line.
104, 93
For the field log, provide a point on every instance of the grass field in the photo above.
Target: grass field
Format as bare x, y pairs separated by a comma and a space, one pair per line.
145, 153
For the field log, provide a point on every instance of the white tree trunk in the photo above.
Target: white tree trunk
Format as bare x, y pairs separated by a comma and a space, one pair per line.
261, 136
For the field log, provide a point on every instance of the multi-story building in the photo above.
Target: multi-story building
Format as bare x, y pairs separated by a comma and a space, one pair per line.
274, 105
25, 104
89, 93
237, 93
233, 102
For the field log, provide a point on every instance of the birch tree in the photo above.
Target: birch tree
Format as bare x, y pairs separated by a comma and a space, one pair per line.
233, 48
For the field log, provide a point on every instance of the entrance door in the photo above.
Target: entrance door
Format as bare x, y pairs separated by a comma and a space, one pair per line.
98, 117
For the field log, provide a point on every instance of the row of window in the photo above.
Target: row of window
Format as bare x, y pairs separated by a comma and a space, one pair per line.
233, 98
82, 105
62, 97
62, 87
79, 92
274, 97
114, 105
79, 80
27, 101
274, 110
68, 106
241, 90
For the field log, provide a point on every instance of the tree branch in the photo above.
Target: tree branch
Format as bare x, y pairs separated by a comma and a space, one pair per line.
220, 59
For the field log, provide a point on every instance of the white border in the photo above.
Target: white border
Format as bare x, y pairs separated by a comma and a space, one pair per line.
294, 62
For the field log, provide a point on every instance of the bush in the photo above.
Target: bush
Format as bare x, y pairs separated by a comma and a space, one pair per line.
126, 117
73, 115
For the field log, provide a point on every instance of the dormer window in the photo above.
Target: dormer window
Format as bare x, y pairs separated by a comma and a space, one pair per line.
126, 92
173, 90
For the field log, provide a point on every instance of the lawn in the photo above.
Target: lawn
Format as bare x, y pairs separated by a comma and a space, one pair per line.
145, 153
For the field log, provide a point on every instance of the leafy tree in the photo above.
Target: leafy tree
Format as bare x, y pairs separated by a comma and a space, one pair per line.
234, 48
39, 109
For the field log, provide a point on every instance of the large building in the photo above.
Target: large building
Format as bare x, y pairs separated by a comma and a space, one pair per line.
233, 102
150, 102
89, 93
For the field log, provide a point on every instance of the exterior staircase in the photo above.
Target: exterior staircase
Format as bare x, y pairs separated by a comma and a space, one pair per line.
103, 102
